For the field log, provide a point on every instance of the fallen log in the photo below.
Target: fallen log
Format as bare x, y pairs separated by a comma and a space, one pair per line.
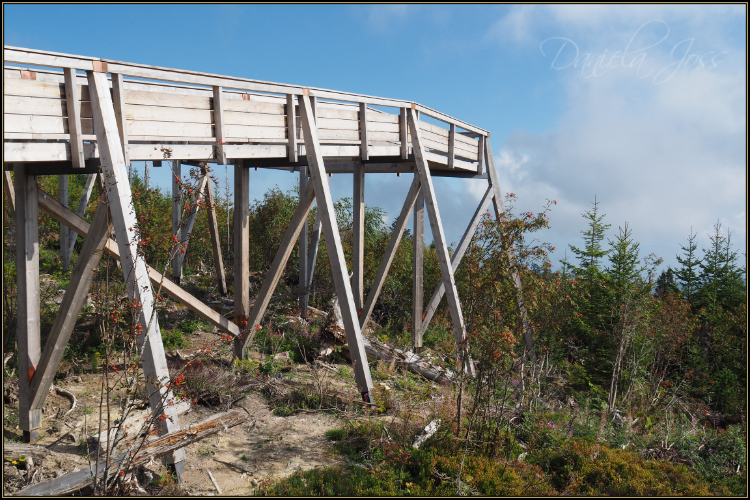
14, 451
154, 448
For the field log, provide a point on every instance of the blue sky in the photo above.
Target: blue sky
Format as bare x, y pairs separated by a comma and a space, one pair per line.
642, 106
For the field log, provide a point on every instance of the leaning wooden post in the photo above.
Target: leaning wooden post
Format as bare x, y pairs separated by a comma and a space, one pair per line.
358, 247
176, 216
304, 293
64, 231
213, 227
27, 281
418, 261
436, 225
134, 268
497, 200
241, 253
187, 230
335, 250
10, 192
82, 204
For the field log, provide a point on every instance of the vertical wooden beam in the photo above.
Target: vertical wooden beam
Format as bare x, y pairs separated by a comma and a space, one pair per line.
494, 181
146, 175
10, 192
312, 252
82, 204
363, 131
118, 99
335, 250
457, 256
390, 252
27, 282
221, 155
451, 145
73, 104
213, 227
291, 129
291, 235
418, 261
190, 221
303, 270
64, 231
70, 308
134, 268
403, 129
480, 155
176, 217
241, 253
358, 247
436, 225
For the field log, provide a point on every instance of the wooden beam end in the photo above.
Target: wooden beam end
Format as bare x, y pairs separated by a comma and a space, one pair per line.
100, 66
28, 75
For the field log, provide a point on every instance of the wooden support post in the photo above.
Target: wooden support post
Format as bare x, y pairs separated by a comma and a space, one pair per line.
87, 190
480, 155
190, 221
303, 270
118, 99
335, 250
133, 268
403, 129
457, 256
312, 252
418, 261
363, 131
451, 145
528, 333
436, 225
299, 218
390, 252
64, 231
70, 308
241, 253
62, 214
176, 216
291, 129
213, 227
9, 192
73, 104
221, 155
146, 176
27, 281
358, 246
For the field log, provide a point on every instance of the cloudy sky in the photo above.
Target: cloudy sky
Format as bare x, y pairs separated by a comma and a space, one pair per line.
640, 106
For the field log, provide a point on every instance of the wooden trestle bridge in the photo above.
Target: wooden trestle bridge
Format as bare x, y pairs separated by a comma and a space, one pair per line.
75, 114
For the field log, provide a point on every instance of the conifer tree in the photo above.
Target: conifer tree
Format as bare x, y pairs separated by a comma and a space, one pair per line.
592, 252
722, 281
623, 258
687, 274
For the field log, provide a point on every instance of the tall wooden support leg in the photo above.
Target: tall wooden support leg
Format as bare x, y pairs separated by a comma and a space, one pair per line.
241, 253
390, 252
358, 247
528, 334
418, 260
87, 190
335, 250
134, 268
303, 270
27, 279
70, 308
10, 192
312, 252
176, 216
146, 176
190, 222
437, 231
457, 256
299, 219
64, 231
213, 227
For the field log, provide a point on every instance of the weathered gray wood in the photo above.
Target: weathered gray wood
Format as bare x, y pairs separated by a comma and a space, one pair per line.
64, 231
13, 451
363, 130
312, 252
62, 214
241, 254
213, 227
27, 282
299, 219
452, 146
133, 267
74, 117
72, 303
91, 180
304, 292
190, 221
10, 192
403, 134
335, 250
457, 256
176, 217
390, 252
118, 99
221, 156
418, 274
155, 448
528, 333
358, 245
480, 155
291, 129
436, 225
